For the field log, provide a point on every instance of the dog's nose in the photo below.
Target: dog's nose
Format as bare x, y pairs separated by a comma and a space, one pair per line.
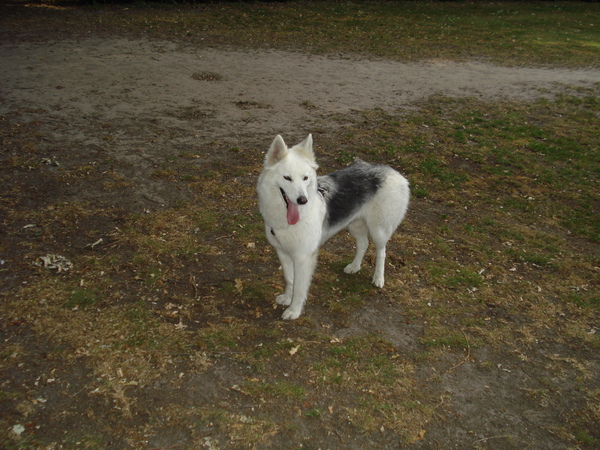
302, 200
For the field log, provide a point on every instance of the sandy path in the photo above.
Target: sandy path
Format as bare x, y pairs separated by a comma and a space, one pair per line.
257, 93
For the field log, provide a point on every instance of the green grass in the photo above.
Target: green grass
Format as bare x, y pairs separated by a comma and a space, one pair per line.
523, 159
444, 337
283, 390
82, 298
512, 33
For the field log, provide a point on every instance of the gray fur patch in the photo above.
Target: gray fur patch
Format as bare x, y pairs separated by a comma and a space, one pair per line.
347, 189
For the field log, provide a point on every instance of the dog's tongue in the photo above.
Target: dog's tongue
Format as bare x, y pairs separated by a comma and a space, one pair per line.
293, 215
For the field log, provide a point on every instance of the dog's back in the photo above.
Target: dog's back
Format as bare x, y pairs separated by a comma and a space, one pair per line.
371, 192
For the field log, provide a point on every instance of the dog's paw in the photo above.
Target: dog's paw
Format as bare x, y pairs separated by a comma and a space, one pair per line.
283, 300
352, 268
378, 281
291, 313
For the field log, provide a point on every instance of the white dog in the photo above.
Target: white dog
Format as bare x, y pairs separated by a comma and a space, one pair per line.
302, 211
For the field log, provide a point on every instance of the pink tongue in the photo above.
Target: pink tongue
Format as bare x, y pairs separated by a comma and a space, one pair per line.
293, 215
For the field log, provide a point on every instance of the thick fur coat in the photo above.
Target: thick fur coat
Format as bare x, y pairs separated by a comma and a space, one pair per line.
302, 211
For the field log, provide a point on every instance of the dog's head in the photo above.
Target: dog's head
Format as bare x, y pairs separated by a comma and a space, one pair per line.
279, 151
294, 173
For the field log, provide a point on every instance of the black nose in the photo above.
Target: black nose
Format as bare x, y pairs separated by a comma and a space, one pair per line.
302, 200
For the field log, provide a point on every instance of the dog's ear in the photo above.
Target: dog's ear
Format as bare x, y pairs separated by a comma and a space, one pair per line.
305, 148
277, 151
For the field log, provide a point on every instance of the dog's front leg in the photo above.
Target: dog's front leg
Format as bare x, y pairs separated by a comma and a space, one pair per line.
304, 266
287, 265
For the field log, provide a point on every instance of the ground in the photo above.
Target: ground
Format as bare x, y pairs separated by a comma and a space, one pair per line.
136, 160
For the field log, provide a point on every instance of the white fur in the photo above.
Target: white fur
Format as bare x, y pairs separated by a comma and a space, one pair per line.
293, 170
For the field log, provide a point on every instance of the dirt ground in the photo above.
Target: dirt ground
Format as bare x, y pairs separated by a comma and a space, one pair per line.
126, 109
153, 90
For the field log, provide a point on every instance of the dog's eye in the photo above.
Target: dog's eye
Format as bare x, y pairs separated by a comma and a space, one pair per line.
287, 178
305, 178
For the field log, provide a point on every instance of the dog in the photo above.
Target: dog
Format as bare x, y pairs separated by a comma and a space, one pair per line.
302, 211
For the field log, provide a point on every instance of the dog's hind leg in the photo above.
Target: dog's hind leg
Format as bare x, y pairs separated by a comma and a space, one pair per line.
287, 266
359, 231
380, 239
304, 266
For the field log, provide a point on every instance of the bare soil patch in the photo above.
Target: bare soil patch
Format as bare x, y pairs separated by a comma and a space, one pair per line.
151, 99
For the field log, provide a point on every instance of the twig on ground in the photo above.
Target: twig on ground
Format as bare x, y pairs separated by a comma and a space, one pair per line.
491, 437
466, 357
193, 281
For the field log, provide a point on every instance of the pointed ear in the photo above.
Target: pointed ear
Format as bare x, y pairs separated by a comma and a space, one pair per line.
305, 148
307, 142
277, 151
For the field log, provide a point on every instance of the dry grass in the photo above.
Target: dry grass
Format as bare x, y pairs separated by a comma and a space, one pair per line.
492, 255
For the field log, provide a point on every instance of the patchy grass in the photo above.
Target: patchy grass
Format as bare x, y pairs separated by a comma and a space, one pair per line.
499, 251
165, 330
510, 33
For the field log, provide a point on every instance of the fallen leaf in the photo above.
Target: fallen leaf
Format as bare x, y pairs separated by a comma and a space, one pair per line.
51, 261
239, 285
